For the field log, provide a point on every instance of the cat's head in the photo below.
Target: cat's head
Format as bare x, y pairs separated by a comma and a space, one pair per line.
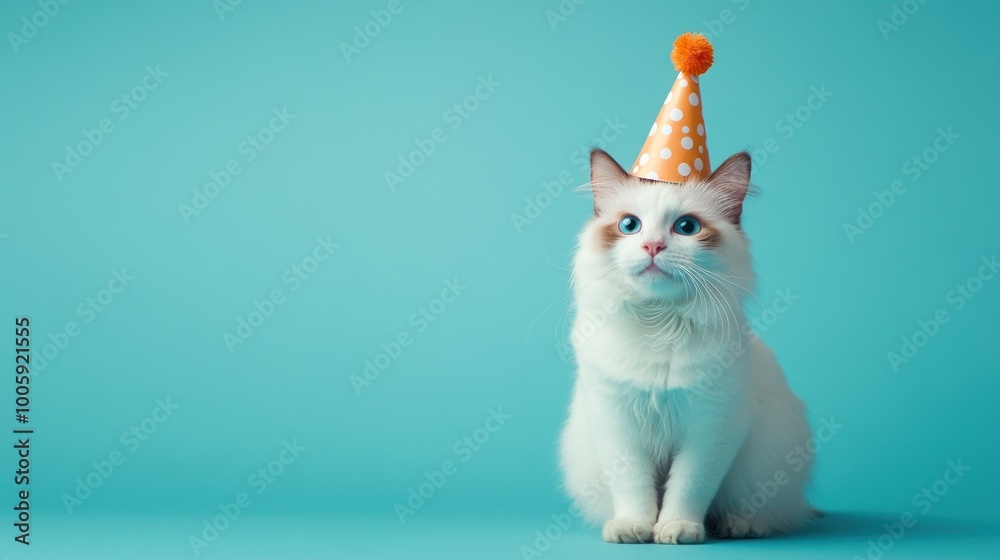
659, 241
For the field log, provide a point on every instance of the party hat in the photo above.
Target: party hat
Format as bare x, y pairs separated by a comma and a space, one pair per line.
676, 150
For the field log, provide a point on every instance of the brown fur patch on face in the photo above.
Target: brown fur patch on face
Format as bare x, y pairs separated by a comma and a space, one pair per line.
709, 236
610, 234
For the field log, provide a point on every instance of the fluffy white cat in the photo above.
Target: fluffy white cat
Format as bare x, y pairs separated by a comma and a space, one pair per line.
680, 416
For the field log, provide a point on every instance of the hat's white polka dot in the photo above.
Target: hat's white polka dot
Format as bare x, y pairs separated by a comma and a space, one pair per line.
652, 175
676, 114
684, 83
665, 130
684, 169
643, 159
698, 164
694, 79
665, 153
701, 129
652, 131
693, 98
685, 129
687, 143
635, 169
669, 97
701, 149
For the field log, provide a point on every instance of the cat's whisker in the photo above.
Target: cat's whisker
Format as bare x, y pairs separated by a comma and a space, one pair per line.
716, 307
530, 326
731, 312
725, 309
744, 289
560, 267
723, 306
722, 277
684, 274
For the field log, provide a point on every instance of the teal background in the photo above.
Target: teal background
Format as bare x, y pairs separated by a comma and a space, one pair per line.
500, 343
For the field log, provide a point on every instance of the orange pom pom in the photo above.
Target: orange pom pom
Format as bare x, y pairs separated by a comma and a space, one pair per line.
692, 54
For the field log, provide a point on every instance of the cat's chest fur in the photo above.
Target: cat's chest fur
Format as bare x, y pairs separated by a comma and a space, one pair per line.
661, 419
654, 353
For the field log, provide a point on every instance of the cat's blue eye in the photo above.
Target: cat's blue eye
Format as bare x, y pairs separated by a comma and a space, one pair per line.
629, 224
687, 225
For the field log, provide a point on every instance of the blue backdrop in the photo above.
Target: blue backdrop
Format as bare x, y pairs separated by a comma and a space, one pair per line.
289, 265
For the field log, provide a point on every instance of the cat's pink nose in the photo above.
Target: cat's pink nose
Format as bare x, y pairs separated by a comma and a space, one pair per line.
653, 247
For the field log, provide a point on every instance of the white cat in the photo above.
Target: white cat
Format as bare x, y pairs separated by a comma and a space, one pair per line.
680, 417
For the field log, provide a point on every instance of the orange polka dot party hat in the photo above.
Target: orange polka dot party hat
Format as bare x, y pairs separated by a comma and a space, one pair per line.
676, 150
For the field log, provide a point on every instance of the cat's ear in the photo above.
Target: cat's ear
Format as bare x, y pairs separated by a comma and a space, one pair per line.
606, 177
730, 182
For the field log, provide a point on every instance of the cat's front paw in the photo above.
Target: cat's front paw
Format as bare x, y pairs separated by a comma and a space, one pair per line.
679, 531
737, 527
629, 531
